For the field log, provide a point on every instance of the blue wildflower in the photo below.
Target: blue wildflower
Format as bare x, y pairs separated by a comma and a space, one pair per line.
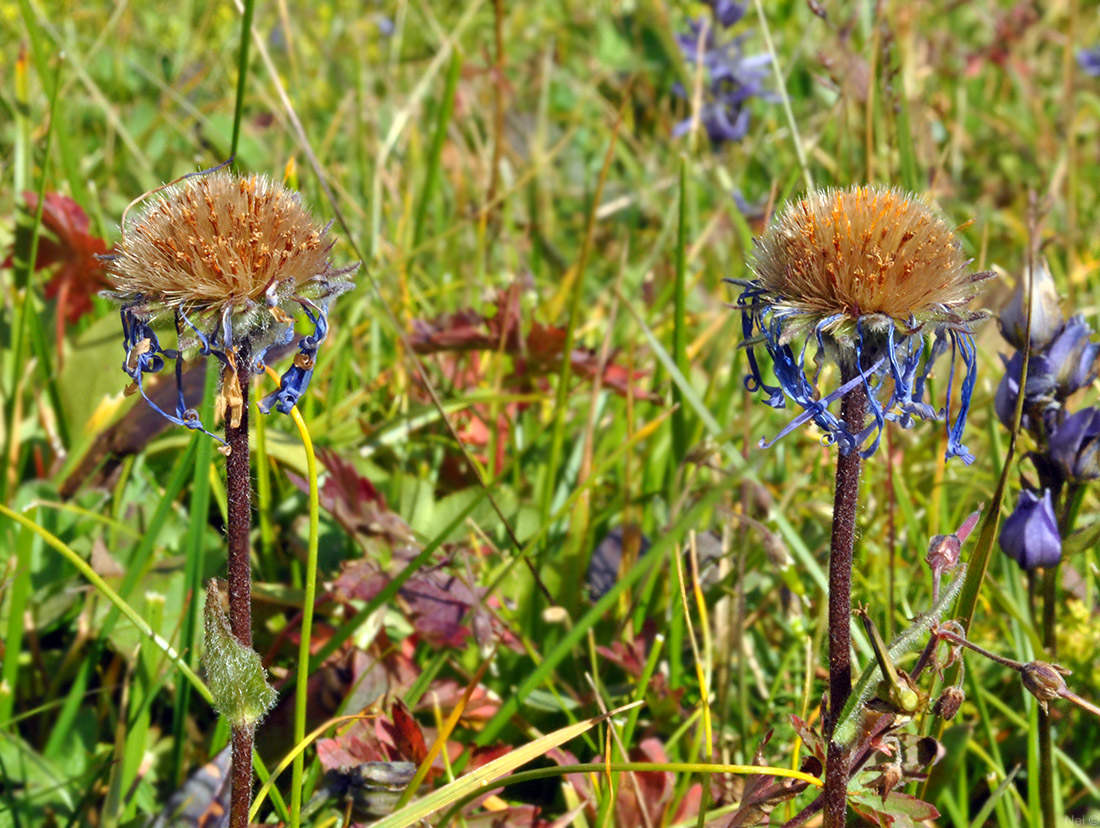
874, 281
727, 12
1075, 446
1074, 358
1030, 534
1039, 392
227, 257
1089, 61
730, 78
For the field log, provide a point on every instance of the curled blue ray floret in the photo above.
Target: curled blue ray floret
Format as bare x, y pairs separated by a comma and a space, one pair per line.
891, 360
146, 355
295, 379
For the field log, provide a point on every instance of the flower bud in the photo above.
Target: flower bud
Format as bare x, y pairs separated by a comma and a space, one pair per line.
1044, 681
1030, 534
1046, 315
943, 552
1075, 446
949, 702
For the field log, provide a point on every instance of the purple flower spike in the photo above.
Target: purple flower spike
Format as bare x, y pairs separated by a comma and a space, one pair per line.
730, 78
1075, 448
1030, 534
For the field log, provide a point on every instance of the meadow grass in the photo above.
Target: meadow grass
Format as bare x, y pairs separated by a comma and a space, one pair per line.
516, 162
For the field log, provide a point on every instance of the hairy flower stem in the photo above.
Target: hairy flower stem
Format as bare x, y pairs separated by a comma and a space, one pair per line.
845, 502
238, 485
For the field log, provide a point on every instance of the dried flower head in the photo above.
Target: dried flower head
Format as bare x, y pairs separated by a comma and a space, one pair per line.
232, 258
864, 274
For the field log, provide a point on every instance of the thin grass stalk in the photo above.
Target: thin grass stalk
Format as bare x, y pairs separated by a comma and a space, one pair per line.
498, 124
242, 74
435, 149
308, 600
638, 767
562, 398
193, 572
24, 304
845, 506
19, 596
679, 337
780, 84
565, 646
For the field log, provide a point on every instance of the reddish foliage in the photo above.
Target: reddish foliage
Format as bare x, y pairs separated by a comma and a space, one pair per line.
406, 734
651, 793
81, 274
632, 656
434, 602
760, 793
447, 694
358, 506
358, 744
537, 353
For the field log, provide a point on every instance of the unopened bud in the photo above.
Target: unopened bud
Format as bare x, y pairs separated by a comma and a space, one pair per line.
1044, 681
949, 702
943, 552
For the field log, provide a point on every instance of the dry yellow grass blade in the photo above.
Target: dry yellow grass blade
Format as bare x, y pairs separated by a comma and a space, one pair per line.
481, 777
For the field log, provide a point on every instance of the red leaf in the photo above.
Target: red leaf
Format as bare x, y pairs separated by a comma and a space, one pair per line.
434, 602
81, 274
356, 745
407, 734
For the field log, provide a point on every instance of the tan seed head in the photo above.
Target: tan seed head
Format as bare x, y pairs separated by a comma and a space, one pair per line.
219, 242
864, 251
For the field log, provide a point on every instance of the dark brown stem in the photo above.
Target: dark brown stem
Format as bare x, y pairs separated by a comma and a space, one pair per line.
238, 484
845, 503
803, 816
241, 792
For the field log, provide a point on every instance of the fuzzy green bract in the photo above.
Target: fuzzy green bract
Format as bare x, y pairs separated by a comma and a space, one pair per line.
234, 673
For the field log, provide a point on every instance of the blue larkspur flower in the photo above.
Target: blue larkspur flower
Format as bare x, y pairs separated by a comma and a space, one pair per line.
873, 281
727, 12
232, 260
